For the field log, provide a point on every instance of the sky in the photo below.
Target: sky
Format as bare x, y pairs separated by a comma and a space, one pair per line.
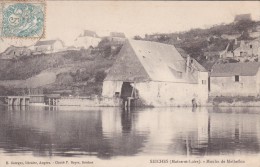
67, 19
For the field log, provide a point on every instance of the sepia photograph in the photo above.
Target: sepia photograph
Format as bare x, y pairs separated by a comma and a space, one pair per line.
129, 83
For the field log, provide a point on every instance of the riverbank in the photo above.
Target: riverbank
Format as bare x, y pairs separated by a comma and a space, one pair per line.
236, 101
116, 102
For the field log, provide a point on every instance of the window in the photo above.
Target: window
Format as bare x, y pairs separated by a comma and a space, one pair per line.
204, 82
236, 78
116, 94
251, 46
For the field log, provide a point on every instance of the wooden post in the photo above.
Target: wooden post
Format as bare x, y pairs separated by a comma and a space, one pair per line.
18, 101
15, 101
23, 101
135, 97
134, 90
49, 101
128, 102
10, 101
27, 101
132, 93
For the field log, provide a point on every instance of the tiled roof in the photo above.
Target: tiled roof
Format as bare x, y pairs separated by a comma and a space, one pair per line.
231, 69
48, 42
159, 62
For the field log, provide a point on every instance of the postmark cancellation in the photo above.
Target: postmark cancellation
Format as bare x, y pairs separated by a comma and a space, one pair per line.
22, 19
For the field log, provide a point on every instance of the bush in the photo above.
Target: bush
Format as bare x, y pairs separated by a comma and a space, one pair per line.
233, 61
4, 91
100, 76
107, 51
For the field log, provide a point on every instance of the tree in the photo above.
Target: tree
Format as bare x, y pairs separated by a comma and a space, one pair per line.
137, 37
100, 76
243, 25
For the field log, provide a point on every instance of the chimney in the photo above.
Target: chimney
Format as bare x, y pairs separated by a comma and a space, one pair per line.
187, 64
235, 41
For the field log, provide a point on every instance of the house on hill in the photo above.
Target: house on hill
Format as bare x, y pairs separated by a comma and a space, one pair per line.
13, 52
242, 17
231, 36
117, 37
241, 50
214, 54
87, 39
235, 79
156, 74
49, 46
233, 45
255, 32
90, 33
211, 58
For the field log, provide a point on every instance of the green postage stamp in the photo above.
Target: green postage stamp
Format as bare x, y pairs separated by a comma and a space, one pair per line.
22, 19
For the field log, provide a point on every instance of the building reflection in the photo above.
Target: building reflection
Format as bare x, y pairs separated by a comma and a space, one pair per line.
108, 132
120, 132
126, 121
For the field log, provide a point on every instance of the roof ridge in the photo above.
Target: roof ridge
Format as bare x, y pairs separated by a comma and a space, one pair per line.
139, 59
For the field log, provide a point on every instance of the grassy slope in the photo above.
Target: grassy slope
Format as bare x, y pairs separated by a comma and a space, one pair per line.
77, 72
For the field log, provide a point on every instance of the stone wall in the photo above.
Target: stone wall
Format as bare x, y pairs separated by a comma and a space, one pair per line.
227, 86
156, 93
94, 102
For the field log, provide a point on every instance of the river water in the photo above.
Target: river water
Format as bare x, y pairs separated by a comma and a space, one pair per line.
105, 133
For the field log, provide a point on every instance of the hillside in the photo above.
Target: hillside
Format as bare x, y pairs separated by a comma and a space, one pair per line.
81, 72
77, 72
197, 41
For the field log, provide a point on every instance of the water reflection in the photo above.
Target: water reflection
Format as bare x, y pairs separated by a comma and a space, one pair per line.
109, 132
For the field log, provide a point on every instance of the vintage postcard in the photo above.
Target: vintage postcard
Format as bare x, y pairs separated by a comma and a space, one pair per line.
129, 83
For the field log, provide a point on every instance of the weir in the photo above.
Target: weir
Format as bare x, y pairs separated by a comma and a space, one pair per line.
52, 101
18, 100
